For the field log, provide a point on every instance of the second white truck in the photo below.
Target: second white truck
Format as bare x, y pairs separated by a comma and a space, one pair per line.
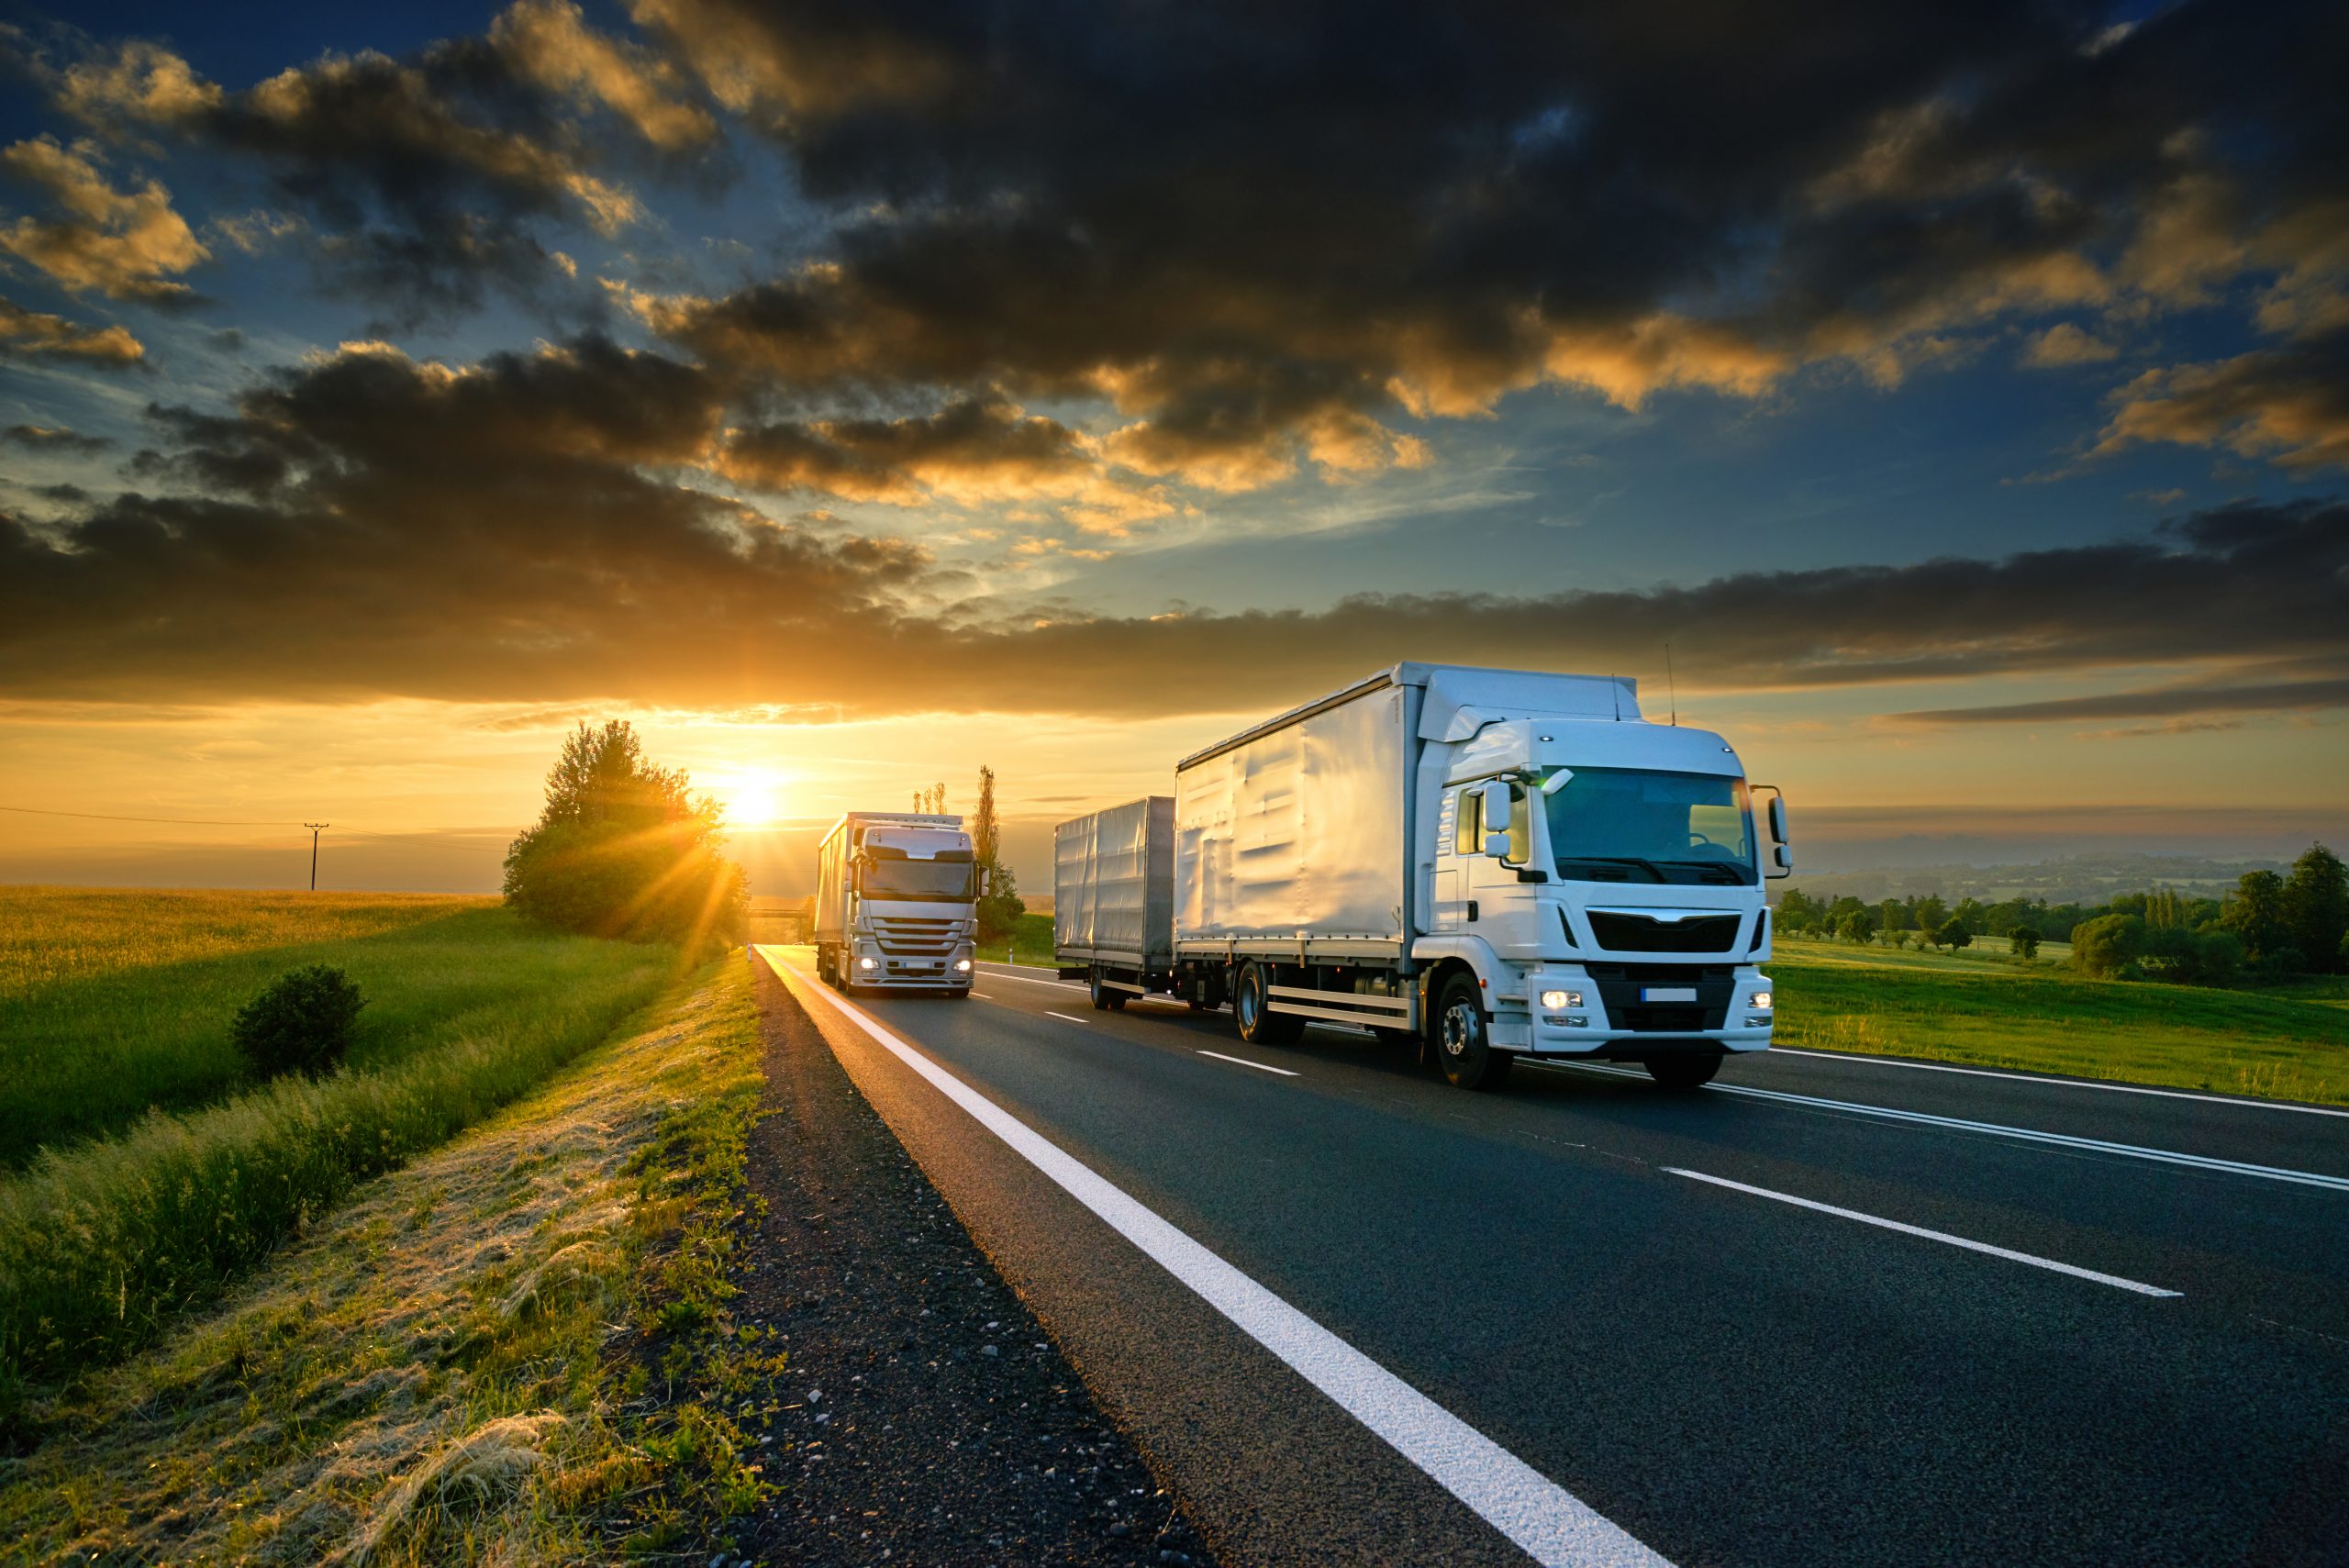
897, 903
1489, 862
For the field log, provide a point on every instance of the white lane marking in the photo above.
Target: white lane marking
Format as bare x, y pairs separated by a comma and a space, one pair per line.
2034, 1260
1031, 980
1996, 1130
1549, 1523
983, 995
2059, 1083
1063, 1017
1243, 1061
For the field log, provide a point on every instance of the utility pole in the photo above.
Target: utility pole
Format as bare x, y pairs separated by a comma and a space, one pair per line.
314, 828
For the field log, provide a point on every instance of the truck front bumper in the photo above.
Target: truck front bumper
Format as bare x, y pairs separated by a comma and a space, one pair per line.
912, 974
1581, 1024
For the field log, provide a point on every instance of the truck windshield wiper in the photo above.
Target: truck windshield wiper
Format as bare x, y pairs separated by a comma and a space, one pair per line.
1728, 872
1650, 867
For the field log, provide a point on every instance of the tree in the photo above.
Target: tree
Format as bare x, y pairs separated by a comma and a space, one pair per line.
626, 849
1929, 912
302, 1023
1797, 910
2254, 913
2316, 906
2023, 941
2109, 945
1859, 926
1892, 915
1953, 935
1000, 910
932, 801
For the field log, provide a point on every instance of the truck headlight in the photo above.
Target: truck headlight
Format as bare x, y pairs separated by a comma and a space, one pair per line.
1759, 999
868, 964
1556, 999
963, 965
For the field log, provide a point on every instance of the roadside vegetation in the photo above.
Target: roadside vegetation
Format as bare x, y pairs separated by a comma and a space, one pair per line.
470, 1362
2285, 1042
2269, 926
1029, 940
160, 1147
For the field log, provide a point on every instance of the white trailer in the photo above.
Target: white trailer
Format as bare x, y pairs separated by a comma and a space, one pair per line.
1113, 899
1490, 863
897, 896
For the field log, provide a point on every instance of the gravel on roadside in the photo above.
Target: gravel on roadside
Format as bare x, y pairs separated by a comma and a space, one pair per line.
923, 1414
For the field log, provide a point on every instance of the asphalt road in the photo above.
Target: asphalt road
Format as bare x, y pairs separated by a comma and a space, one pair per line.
1829, 1310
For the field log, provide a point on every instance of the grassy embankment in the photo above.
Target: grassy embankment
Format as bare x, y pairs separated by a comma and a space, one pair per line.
1989, 1009
115, 1218
456, 1365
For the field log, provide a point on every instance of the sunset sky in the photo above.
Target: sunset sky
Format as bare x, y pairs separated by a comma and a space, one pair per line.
853, 393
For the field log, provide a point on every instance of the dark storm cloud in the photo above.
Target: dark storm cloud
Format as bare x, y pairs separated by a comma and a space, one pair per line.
518, 530
1240, 223
2289, 404
424, 175
2163, 702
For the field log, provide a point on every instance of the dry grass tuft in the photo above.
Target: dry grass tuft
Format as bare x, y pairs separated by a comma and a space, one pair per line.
488, 1463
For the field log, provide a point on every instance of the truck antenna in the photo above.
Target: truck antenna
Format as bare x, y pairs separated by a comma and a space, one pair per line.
1615, 685
1670, 690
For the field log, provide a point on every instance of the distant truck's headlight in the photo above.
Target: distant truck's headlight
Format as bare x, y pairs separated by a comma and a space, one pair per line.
1554, 999
868, 964
963, 965
1759, 999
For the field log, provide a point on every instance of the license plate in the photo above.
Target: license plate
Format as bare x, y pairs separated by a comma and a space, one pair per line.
1667, 993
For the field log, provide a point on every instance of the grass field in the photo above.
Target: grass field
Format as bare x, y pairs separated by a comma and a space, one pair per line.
2283, 1042
113, 1003
1031, 942
449, 1367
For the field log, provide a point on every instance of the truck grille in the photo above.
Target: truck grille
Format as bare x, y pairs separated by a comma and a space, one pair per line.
900, 937
1619, 985
1639, 933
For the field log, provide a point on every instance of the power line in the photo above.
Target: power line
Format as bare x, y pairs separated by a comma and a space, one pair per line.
184, 821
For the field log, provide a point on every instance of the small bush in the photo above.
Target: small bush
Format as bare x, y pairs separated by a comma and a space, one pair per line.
301, 1024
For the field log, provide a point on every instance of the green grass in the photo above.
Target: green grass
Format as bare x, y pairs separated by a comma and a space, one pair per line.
114, 1002
128, 1216
1986, 1009
1031, 942
453, 1366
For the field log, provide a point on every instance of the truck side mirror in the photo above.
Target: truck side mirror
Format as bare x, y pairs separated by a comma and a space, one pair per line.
1494, 813
1777, 819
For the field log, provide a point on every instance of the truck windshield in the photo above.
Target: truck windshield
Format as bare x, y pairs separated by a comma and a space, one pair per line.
1633, 825
888, 877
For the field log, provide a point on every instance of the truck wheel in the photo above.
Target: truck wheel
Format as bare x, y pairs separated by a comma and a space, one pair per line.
1463, 1039
1252, 1010
1105, 1000
1691, 1072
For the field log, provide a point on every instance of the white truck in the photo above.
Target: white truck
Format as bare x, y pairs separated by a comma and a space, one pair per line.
1489, 863
896, 902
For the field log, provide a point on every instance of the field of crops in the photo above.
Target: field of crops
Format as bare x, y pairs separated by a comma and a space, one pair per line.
149, 1168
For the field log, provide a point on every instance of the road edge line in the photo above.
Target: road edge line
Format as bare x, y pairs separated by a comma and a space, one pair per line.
1542, 1519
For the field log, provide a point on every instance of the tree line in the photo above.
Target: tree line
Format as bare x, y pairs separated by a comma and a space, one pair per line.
2270, 925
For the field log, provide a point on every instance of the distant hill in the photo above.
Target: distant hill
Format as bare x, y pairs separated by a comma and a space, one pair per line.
2071, 879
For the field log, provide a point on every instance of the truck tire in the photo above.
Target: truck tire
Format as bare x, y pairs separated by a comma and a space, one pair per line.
1252, 1010
1106, 997
1692, 1070
1463, 1039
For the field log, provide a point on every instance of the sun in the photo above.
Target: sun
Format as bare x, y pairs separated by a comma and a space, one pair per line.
752, 798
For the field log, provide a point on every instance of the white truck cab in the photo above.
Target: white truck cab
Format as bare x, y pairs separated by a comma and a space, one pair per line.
897, 896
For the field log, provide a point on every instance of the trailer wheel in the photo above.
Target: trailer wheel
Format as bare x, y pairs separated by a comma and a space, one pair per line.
1252, 1010
1106, 997
1693, 1070
1463, 1039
